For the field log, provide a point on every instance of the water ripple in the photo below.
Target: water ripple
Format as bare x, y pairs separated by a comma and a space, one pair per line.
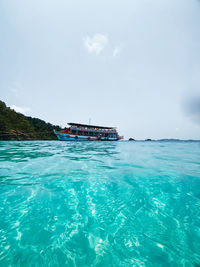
99, 204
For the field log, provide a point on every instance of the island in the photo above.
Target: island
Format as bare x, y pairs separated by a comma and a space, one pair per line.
16, 126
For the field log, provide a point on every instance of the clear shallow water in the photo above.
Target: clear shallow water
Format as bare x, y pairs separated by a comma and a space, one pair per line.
99, 203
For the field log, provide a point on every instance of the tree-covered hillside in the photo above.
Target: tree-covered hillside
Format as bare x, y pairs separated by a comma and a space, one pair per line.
16, 126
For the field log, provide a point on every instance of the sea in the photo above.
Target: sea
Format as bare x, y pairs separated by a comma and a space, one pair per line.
100, 203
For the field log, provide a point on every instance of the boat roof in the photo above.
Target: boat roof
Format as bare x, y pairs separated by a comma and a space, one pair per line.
89, 126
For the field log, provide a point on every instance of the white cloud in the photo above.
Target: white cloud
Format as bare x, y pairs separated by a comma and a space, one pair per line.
96, 43
23, 110
116, 51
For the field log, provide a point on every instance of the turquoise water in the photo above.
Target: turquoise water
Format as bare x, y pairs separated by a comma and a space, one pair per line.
99, 203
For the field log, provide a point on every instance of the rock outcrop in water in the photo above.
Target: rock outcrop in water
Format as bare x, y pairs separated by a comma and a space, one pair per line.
16, 126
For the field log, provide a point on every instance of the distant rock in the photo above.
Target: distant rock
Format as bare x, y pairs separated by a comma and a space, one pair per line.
148, 139
131, 139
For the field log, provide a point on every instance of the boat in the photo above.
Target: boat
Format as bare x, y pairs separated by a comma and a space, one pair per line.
85, 132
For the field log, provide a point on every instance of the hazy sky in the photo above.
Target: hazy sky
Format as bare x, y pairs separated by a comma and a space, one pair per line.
133, 64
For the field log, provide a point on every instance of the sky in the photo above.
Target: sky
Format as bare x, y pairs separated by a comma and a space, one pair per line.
133, 64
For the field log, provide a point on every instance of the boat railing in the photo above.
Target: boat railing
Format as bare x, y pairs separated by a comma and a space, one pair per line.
93, 129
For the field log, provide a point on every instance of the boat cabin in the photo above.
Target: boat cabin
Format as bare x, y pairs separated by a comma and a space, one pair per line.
91, 130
